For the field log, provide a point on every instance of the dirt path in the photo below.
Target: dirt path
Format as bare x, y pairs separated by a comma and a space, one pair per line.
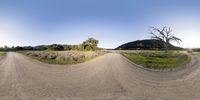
109, 77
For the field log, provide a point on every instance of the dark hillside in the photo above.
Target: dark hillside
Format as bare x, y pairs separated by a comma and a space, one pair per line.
148, 44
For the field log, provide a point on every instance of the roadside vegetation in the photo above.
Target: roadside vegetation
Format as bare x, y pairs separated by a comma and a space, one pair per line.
91, 44
60, 53
196, 51
63, 57
158, 59
2, 53
63, 54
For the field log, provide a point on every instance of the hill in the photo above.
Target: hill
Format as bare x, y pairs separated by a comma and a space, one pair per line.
147, 44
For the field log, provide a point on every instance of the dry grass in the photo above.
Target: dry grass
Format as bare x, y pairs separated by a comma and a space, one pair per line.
63, 57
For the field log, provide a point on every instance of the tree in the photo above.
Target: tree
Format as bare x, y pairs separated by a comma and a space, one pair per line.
56, 47
165, 36
18, 48
67, 47
6, 48
90, 44
40, 47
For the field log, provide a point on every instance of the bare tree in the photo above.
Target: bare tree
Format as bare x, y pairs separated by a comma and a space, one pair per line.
164, 34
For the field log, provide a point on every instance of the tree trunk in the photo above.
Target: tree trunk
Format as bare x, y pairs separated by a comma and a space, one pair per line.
166, 47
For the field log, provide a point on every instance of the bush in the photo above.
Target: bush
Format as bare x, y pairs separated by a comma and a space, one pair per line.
55, 47
196, 49
90, 44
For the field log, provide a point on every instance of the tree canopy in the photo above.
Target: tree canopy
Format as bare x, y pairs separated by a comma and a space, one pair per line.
90, 44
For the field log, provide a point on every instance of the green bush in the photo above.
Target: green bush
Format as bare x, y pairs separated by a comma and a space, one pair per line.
196, 50
55, 47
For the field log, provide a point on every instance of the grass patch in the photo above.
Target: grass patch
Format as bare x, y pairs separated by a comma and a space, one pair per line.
195, 52
62, 61
2, 53
158, 59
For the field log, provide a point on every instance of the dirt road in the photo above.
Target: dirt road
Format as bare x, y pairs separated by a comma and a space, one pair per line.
109, 77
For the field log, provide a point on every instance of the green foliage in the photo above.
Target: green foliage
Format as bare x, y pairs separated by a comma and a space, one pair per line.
62, 61
2, 49
74, 47
55, 47
158, 60
39, 48
90, 44
196, 49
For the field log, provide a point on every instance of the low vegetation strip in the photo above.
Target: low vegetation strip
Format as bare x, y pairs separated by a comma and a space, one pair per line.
2, 53
196, 52
158, 59
63, 57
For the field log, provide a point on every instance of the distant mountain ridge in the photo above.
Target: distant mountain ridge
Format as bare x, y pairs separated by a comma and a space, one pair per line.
147, 44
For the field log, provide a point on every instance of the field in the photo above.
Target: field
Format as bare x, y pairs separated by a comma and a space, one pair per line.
63, 57
158, 59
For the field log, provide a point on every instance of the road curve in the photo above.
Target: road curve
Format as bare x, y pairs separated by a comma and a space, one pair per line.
109, 77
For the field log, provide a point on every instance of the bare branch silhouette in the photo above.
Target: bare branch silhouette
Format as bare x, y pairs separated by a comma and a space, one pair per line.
164, 34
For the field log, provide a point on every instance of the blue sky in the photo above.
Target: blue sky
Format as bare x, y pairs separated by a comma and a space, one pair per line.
112, 22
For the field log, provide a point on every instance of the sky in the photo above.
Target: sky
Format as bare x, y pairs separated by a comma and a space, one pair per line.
112, 22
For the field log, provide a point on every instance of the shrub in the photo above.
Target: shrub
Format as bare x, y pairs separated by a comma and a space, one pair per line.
56, 47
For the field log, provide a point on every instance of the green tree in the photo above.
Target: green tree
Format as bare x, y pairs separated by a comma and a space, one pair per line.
67, 47
165, 36
90, 44
56, 47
